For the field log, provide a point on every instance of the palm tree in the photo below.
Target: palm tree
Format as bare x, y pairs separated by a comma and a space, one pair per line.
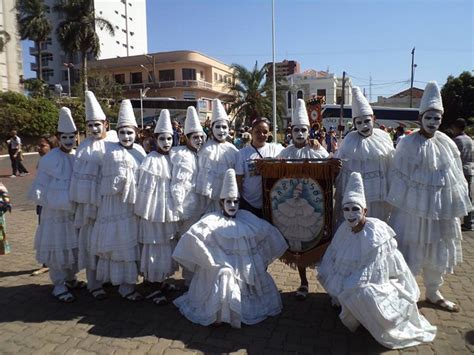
77, 32
4, 39
34, 25
251, 94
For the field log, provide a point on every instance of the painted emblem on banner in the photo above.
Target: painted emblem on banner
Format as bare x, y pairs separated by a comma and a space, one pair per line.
298, 211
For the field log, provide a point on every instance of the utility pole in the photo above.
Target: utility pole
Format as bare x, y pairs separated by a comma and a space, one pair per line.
341, 112
370, 88
275, 137
412, 75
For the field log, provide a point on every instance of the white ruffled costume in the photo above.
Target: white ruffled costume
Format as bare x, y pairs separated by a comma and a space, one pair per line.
56, 239
155, 206
115, 234
372, 157
429, 194
214, 159
366, 274
229, 257
85, 187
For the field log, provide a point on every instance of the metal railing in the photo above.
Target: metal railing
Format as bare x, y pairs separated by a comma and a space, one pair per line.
170, 84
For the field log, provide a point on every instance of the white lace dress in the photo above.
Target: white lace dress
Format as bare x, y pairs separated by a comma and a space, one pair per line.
115, 235
371, 157
158, 223
429, 194
56, 239
214, 159
229, 257
371, 281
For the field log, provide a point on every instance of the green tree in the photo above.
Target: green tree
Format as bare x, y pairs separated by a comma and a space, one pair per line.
252, 94
458, 98
36, 88
34, 25
77, 32
4, 39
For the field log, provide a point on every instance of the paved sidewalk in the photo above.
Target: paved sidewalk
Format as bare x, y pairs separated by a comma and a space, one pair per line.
31, 321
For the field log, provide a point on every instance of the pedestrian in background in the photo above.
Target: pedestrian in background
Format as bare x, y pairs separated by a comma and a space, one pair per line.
5, 206
16, 155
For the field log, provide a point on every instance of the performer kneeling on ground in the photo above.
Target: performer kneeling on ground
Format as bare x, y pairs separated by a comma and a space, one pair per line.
229, 252
56, 239
366, 275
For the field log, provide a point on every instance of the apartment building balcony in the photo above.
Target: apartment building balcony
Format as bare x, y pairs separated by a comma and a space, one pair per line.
170, 85
34, 50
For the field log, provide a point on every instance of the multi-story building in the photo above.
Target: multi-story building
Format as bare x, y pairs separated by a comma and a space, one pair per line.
402, 99
179, 75
283, 69
311, 83
11, 67
129, 21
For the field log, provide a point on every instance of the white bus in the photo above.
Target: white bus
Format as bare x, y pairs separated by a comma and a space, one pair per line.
387, 116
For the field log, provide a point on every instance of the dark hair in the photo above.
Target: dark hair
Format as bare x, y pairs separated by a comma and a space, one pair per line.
259, 120
460, 123
52, 140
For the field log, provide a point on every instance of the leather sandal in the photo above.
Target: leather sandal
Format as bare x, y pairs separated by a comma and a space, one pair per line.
133, 296
302, 292
445, 305
158, 298
99, 294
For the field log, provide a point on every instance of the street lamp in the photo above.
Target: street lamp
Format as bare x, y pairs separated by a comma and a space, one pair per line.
142, 95
68, 66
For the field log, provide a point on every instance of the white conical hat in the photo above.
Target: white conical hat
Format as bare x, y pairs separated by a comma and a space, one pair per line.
66, 123
360, 105
355, 191
192, 123
164, 123
431, 99
126, 117
229, 185
300, 116
93, 110
218, 111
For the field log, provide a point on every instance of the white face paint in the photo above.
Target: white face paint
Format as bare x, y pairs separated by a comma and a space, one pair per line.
353, 213
431, 120
231, 206
67, 141
126, 136
220, 130
300, 134
196, 140
165, 141
96, 128
364, 125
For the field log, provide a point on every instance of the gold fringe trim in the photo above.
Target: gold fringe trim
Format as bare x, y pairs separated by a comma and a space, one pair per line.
306, 259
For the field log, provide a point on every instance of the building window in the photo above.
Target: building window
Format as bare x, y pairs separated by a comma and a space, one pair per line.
116, 12
166, 75
136, 78
117, 42
189, 95
288, 99
119, 78
189, 74
215, 76
321, 92
220, 78
201, 75
299, 94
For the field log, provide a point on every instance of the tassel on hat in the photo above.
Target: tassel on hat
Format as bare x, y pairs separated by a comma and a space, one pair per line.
126, 117
355, 191
360, 105
192, 124
218, 111
164, 123
229, 185
431, 99
93, 110
301, 115
66, 123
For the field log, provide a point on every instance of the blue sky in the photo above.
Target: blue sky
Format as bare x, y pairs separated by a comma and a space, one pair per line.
366, 38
